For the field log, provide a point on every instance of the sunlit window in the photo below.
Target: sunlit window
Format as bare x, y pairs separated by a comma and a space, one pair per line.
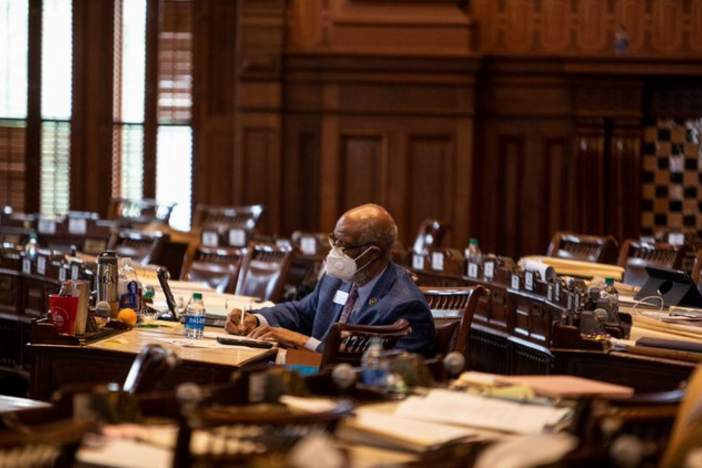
56, 72
174, 105
129, 92
14, 40
174, 171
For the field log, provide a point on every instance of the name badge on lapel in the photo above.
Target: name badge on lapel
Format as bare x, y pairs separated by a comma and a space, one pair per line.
340, 297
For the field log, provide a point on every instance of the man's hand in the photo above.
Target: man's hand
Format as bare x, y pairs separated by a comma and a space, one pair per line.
281, 335
234, 325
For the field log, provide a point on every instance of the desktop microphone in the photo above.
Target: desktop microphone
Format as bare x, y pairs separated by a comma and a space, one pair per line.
343, 375
454, 363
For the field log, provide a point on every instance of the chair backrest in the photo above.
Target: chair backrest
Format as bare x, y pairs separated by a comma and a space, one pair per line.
226, 225
153, 364
216, 431
347, 342
141, 246
453, 309
264, 271
583, 247
131, 212
696, 273
431, 233
219, 267
635, 255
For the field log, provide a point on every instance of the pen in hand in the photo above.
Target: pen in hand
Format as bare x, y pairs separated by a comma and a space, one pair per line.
242, 319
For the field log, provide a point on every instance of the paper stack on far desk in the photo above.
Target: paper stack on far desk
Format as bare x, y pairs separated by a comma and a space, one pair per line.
577, 268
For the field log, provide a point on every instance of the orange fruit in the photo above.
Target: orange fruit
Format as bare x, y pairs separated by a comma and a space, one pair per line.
127, 316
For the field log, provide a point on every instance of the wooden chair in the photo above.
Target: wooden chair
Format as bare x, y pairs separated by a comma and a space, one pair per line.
453, 310
431, 233
226, 225
696, 273
635, 255
141, 246
264, 271
583, 247
47, 445
642, 424
229, 426
135, 213
311, 249
219, 267
347, 343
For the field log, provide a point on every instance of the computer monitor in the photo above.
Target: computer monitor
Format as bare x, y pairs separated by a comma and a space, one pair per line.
675, 287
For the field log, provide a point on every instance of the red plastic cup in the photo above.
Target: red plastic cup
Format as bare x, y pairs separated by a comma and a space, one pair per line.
63, 311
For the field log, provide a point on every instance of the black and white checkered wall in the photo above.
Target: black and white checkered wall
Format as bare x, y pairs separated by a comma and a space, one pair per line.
672, 176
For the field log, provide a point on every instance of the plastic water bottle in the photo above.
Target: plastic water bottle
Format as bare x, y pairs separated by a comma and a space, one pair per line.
375, 373
31, 247
128, 286
474, 257
195, 317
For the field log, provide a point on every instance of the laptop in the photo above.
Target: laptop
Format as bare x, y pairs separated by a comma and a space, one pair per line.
675, 287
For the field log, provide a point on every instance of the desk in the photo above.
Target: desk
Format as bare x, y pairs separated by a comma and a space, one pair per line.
110, 359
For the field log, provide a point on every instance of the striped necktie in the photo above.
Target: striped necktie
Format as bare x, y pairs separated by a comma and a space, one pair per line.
348, 307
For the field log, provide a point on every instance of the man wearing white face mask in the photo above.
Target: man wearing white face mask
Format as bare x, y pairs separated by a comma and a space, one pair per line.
361, 286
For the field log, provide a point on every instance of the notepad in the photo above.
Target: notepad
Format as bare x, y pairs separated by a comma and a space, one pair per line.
389, 431
567, 386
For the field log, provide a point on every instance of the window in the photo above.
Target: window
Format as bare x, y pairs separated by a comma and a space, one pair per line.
14, 22
56, 72
173, 158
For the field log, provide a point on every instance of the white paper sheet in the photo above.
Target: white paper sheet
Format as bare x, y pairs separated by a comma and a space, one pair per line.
475, 411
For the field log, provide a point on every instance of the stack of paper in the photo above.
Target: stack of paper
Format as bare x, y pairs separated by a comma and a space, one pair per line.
463, 409
650, 327
577, 268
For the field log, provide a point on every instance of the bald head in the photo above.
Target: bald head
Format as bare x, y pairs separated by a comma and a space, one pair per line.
368, 224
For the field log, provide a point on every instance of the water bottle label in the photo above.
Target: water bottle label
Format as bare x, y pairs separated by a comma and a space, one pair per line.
195, 322
473, 270
375, 377
130, 299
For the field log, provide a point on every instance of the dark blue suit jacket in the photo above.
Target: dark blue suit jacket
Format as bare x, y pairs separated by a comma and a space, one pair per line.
394, 296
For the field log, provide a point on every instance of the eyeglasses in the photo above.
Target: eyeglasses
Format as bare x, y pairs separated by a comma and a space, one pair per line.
337, 244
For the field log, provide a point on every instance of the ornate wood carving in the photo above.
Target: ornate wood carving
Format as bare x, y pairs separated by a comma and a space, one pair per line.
653, 27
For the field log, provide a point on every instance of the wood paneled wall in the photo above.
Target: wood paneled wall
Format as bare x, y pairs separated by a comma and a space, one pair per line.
508, 120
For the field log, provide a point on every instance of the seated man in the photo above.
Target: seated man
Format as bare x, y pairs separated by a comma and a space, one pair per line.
361, 286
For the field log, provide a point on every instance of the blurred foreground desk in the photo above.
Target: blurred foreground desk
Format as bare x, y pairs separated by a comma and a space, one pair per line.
109, 360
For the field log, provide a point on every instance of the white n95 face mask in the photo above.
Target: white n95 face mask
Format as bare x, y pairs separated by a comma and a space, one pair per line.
340, 265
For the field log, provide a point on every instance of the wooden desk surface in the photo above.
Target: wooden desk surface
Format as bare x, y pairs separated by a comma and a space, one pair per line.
132, 341
109, 360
